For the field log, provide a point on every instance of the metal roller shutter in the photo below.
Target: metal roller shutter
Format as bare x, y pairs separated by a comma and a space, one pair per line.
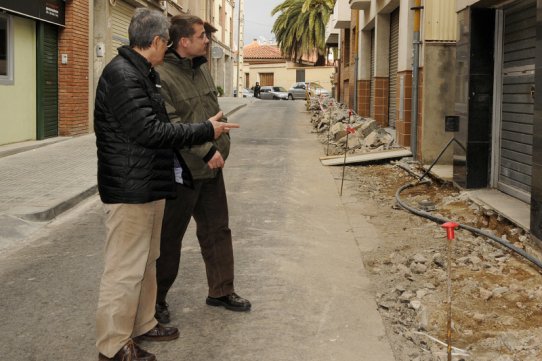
394, 55
121, 15
518, 75
47, 81
372, 75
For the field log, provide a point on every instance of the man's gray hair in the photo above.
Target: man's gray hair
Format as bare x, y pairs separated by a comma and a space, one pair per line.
145, 25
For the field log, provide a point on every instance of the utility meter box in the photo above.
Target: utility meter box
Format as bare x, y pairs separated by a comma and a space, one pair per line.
451, 123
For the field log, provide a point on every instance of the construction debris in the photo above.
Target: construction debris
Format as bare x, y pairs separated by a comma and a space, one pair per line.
331, 120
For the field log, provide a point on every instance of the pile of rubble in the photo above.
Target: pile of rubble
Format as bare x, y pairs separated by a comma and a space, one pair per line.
496, 294
332, 120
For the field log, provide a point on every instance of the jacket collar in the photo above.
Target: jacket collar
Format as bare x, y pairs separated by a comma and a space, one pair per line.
173, 57
139, 61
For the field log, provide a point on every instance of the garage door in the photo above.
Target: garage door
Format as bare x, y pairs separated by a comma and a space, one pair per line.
267, 79
394, 55
518, 74
121, 15
47, 81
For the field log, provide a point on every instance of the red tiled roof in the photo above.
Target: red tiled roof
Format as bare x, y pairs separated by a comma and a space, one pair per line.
265, 52
255, 50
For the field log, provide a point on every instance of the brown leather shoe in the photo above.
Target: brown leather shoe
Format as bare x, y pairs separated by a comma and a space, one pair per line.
129, 352
159, 333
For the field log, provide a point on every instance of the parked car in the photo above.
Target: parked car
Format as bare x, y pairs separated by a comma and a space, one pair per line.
273, 92
247, 93
300, 90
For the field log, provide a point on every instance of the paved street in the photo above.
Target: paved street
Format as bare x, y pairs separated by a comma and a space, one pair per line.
298, 259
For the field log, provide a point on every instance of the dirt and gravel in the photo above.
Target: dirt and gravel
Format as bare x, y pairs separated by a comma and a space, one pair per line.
496, 294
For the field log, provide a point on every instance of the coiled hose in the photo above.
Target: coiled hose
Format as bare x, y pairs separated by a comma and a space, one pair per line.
474, 230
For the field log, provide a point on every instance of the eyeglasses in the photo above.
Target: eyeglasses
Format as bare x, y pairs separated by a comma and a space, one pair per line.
167, 41
202, 36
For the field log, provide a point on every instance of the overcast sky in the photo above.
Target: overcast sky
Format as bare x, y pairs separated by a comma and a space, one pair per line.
258, 20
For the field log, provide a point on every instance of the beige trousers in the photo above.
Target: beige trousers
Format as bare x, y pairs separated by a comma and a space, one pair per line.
128, 287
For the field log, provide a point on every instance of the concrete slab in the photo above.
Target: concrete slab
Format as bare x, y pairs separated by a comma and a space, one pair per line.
505, 205
366, 157
444, 172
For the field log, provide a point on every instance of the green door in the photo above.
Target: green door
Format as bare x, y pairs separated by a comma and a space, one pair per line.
47, 81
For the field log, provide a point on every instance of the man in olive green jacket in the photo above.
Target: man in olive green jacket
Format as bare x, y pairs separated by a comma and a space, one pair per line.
190, 95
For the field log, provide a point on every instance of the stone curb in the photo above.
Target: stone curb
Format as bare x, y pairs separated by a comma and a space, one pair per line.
57, 209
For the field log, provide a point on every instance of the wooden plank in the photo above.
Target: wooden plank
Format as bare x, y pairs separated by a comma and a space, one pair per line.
366, 157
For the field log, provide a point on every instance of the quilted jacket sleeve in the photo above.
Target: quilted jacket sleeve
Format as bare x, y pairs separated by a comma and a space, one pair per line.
129, 102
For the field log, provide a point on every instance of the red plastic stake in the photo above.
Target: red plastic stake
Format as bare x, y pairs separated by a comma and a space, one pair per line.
450, 227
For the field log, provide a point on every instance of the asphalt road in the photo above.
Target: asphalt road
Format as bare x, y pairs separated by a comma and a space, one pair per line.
297, 255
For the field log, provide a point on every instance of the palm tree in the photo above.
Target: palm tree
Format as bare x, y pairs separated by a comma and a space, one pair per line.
300, 27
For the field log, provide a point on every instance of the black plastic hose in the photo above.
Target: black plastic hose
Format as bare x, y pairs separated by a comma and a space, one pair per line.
480, 232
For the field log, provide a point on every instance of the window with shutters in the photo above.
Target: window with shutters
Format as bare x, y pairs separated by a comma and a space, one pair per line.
267, 79
6, 50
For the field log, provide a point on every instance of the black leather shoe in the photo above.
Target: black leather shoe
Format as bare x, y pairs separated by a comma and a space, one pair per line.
129, 352
232, 302
159, 333
162, 312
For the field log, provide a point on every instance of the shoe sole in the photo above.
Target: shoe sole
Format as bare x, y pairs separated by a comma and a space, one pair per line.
218, 303
157, 338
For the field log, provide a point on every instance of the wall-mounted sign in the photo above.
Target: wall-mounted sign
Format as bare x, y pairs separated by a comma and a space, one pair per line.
51, 11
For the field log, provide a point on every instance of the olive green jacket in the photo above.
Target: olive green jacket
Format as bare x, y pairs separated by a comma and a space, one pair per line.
191, 97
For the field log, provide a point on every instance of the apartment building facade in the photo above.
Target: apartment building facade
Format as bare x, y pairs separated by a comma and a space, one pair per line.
477, 78
44, 67
52, 53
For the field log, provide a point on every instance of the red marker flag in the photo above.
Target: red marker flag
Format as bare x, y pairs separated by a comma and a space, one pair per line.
350, 130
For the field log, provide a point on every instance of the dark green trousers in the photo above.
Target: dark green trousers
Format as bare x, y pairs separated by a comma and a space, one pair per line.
208, 204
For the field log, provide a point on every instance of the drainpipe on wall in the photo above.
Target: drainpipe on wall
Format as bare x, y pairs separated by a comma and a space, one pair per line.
415, 76
240, 46
356, 62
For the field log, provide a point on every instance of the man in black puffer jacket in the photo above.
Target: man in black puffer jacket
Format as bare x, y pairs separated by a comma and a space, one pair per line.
135, 142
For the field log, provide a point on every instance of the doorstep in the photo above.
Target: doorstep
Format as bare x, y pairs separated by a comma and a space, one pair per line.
507, 206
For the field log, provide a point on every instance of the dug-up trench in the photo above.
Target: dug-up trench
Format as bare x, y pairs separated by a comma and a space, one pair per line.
496, 293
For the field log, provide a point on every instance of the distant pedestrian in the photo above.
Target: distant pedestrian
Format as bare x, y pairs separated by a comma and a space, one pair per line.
135, 143
257, 89
190, 95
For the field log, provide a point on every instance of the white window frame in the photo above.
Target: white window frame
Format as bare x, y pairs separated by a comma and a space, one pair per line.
8, 78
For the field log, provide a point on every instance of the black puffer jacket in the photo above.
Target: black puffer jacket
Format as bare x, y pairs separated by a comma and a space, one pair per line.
134, 137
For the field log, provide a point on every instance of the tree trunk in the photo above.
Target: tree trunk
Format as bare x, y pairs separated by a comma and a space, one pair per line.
321, 61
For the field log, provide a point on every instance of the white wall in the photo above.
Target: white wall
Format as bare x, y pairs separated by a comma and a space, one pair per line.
18, 100
285, 75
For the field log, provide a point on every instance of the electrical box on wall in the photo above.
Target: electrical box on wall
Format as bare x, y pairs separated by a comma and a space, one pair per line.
64, 58
451, 123
100, 50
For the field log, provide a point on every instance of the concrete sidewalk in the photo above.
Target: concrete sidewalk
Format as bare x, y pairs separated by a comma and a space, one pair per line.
42, 179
